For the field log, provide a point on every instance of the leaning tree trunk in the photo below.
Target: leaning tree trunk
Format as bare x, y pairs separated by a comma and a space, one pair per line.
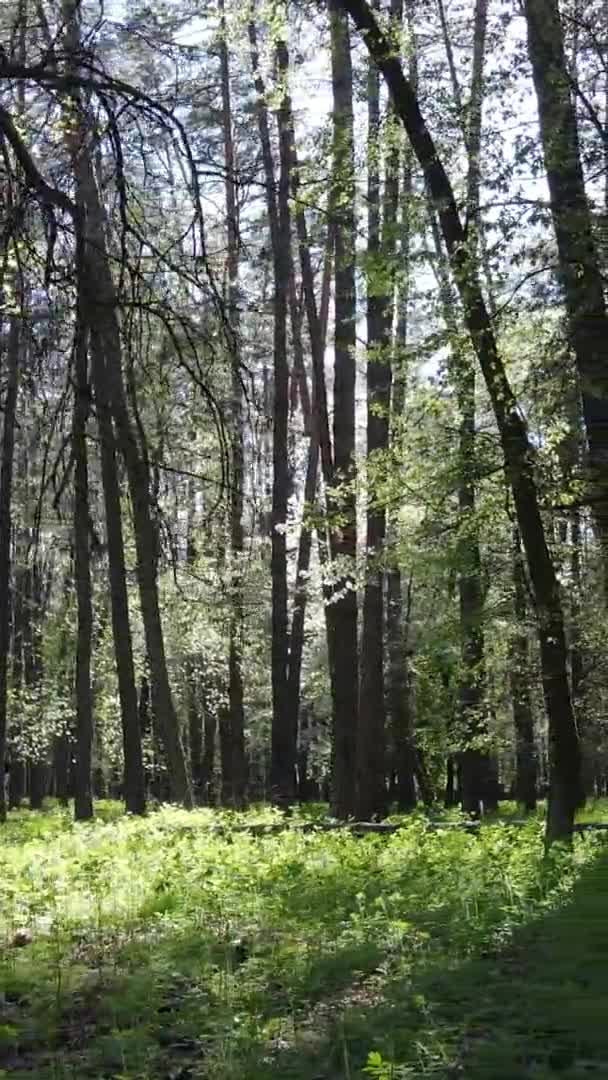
134, 778
344, 539
579, 267
6, 493
517, 449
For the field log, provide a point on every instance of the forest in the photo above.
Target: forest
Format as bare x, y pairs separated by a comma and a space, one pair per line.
303, 538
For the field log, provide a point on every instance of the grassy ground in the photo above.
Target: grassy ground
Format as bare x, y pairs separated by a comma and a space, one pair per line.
158, 950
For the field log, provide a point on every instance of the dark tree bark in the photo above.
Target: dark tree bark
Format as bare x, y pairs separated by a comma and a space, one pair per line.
300, 599
104, 335
17, 783
195, 727
284, 734
208, 762
37, 596
577, 667
579, 269
134, 779
399, 697
476, 770
344, 538
517, 449
314, 407
6, 494
372, 792
100, 304
100, 307
61, 769
233, 787
519, 674
107, 352
83, 797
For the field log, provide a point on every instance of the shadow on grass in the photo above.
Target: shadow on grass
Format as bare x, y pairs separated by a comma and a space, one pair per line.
536, 1009
185, 1006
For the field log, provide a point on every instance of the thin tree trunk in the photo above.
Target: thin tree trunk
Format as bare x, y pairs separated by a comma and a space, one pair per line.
344, 538
61, 769
400, 699
134, 778
400, 696
284, 733
296, 637
284, 729
519, 673
37, 598
372, 792
579, 267
208, 762
17, 764
314, 414
517, 449
476, 770
234, 735
83, 798
195, 728
6, 493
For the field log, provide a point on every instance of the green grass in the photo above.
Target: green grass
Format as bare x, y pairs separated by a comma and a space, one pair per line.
156, 949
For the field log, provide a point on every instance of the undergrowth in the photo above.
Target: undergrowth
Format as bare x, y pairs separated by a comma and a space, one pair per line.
166, 948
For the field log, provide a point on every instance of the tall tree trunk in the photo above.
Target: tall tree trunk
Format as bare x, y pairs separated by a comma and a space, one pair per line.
400, 699
579, 268
134, 778
83, 798
314, 411
234, 738
476, 770
519, 674
6, 493
344, 538
517, 449
284, 733
284, 722
371, 767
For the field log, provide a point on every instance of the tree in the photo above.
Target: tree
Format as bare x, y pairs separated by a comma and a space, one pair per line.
579, 270
343, 504
233, 738
517, 450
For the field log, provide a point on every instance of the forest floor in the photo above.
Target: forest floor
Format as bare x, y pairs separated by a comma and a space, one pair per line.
158, 949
